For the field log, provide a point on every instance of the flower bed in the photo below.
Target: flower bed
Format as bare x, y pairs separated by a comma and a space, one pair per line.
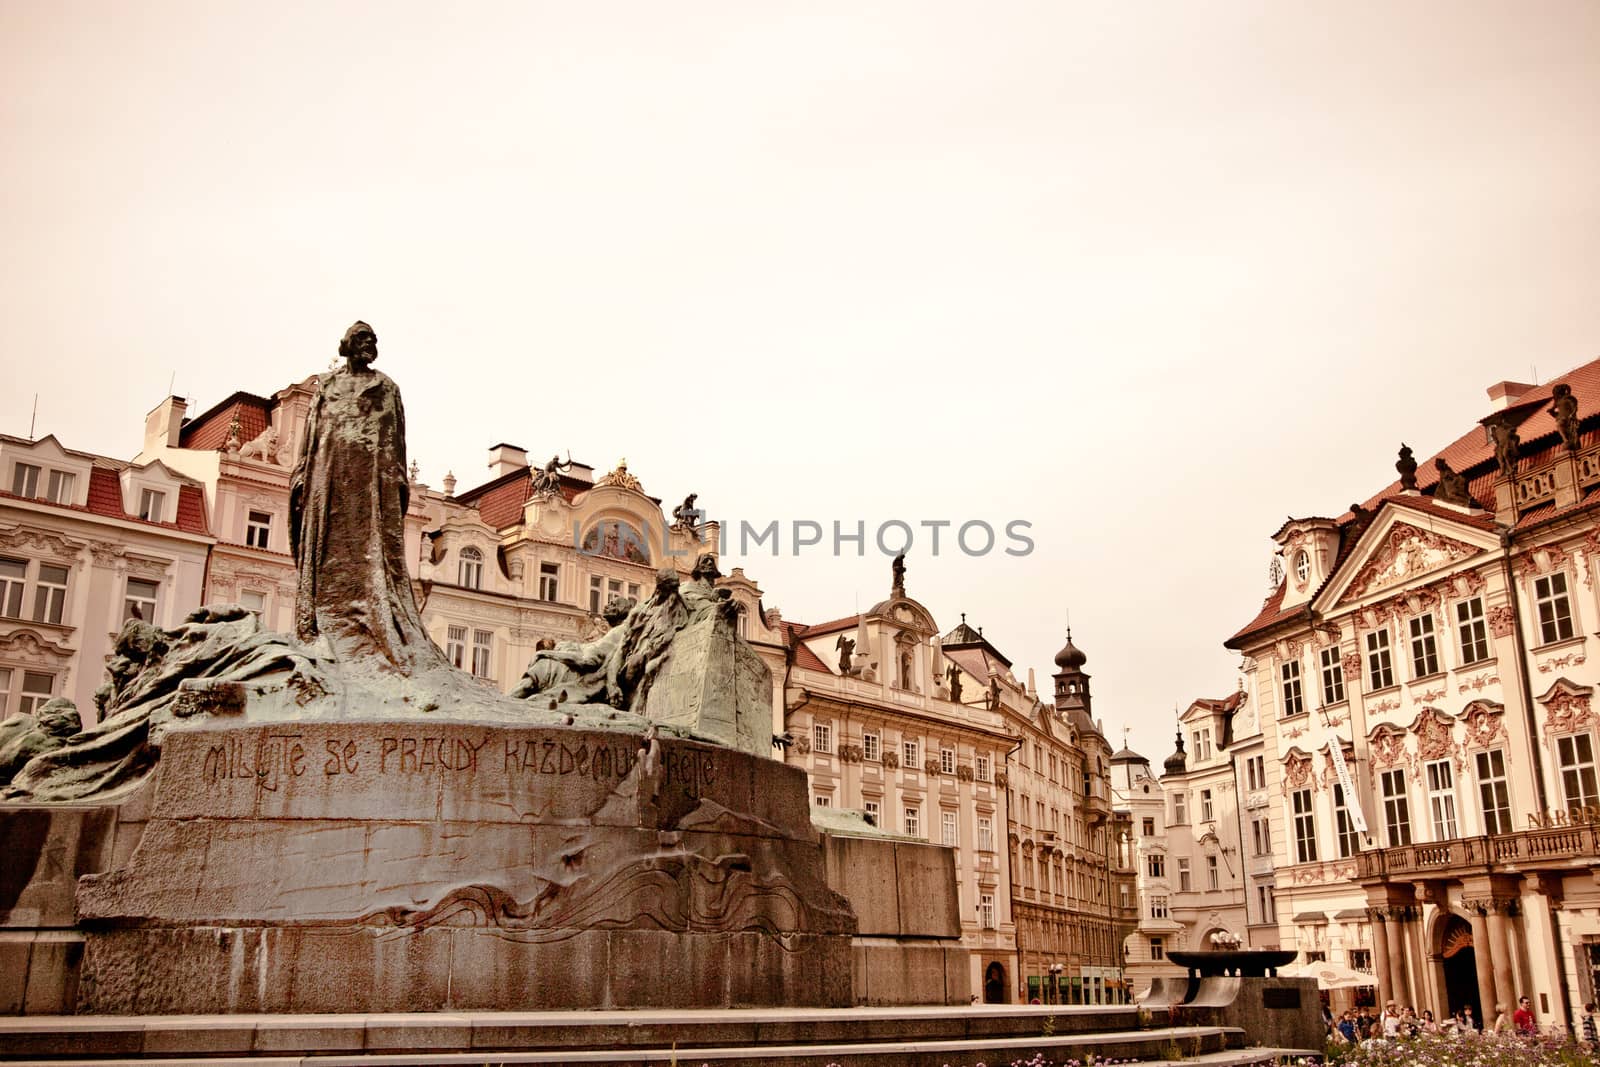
1466, 1050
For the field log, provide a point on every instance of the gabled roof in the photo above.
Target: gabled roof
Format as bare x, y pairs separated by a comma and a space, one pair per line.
209, 430
803, 656
105, 499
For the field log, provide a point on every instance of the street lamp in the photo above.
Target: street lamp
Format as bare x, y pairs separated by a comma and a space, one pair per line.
1055, 982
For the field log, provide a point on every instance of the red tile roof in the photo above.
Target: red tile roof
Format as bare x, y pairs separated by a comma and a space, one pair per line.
209, 431
832, 625
105, 493
500, 501
105, 499
804, 657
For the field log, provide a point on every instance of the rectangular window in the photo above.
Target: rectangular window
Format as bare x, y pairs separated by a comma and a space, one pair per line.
61, 483
140, 602
1442, 799
50, 593
469, 570
985, 834
1305, 827
869, 808
1332, 676
824, 800
947, 761
254, 603
1474, 634
822, 737
1360, 959
1349, 840
258, 529
37, 687
1575, 759
482, 652
1424, 648
25, 480
549, 575
1213, 873
5, 691
1149, 827
1158, 949
1158, 908
1380, 667
1207, 814
1260, 835
913, 822
984, 774
1156, 865
1183, 875
597, 594
1396, 807
986, 910
1255, 772
13, 575
152, 505
633, 590
910, 755
1293, 701
1493, 792
1267, 906
871, 747
947, 828
1555, 612
455, 648
1180, 813
613, 587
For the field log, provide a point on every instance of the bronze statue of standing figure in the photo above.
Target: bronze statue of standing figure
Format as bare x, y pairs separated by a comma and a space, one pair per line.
347, 506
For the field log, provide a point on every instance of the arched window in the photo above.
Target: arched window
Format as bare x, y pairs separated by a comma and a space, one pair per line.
471, 568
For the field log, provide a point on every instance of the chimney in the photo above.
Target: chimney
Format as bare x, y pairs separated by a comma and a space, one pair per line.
163, 425
504, 458
1503, 394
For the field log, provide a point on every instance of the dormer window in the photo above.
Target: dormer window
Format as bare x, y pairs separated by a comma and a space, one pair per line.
470, 568
1302, 567
152, 505
25, 480
60, 487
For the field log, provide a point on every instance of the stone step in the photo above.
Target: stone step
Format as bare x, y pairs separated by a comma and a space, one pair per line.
1197, 1044
895, 1036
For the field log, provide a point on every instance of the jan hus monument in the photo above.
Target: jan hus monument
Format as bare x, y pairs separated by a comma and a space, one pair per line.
339, 820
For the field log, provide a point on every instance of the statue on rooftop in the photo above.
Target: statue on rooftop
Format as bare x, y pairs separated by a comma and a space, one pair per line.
1565, 411
1452, 487
1407, 466
953, 675
899, 570
547, 482
686, 516
1507, 445
347, 504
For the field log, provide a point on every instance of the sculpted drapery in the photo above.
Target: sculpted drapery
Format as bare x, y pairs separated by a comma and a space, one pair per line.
347, 506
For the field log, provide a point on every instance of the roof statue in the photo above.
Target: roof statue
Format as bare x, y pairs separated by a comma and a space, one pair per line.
1507, 444
547, 480
1565, 411
899, 569
1452, 487
686, 516
1407, 466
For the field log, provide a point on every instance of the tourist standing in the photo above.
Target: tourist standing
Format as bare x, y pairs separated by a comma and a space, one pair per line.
1522, 1019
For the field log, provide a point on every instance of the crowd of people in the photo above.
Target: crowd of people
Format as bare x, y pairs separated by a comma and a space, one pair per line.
1356, 1025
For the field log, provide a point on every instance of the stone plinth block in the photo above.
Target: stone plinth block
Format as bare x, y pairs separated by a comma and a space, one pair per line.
371, 866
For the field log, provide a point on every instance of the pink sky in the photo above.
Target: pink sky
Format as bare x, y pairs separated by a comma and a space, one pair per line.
1148, 276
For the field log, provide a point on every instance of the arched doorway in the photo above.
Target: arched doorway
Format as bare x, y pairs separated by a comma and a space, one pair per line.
994, 984
1460, 966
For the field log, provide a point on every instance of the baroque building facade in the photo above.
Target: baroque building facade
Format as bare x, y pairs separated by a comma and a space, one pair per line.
1424, 683
87, 542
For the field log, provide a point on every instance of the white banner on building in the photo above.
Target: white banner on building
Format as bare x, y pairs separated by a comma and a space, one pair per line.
1352, 800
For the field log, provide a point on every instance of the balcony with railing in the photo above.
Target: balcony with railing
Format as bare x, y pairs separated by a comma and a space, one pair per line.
1545, 848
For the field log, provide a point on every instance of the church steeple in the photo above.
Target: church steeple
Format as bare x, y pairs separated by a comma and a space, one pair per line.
1072, 683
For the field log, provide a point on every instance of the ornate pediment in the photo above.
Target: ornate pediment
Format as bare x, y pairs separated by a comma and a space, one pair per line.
1567, 707
48, 542
33, 649
1405, 552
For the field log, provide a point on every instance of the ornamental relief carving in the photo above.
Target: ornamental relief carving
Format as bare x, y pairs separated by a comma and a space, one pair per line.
1483, 723
850, 753
1502, 620
1428, 696
1435, 736
1388, 745
1575, 658
1567, 708
147, 566
1329, 775
31, 649
1479, 682
1385, 705
63, 550
1406, 552
1326, 638
1590, 549
1352, 666
1297, 771
1541, 560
